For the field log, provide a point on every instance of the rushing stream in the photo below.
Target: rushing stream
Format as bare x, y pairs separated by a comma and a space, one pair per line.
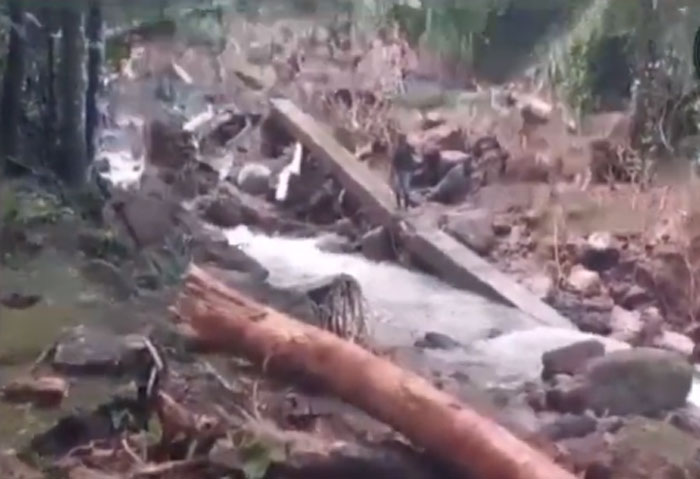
407, 304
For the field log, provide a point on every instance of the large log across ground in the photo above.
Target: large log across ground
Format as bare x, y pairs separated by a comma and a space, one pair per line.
431, 419
436, 250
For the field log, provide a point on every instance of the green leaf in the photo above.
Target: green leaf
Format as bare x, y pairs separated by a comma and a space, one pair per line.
155, 430
256, 460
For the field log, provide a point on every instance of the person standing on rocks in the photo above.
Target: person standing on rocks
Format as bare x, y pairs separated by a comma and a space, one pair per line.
402, 166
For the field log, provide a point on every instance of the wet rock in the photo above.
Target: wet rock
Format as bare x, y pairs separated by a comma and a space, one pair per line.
637, 381
335, 244
687, 419
584, 281
19, 300
254, 179
594, 323
502, 225
345, 227
635, 297
47, 391
208, 250
676, 342
567, 396
570, 359
91, 351
587, 453
600, 253
645, 448
610, 424
169, 146
590, 315
228, 210
102, 165
433, 340
376, 245
108, 277
474, 229
626, 325
569, 426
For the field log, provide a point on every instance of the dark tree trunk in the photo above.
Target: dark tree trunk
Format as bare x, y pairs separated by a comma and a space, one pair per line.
71, 87
11, 103
95, 37
51, 108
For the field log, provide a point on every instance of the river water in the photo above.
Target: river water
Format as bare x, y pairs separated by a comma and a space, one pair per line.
406, 304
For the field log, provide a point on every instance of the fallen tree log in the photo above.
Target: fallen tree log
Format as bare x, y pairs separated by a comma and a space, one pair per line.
432, 419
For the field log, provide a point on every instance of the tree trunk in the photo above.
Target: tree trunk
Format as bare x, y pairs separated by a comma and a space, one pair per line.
95, 38
71, 86
430, 418
50, 109
11, 104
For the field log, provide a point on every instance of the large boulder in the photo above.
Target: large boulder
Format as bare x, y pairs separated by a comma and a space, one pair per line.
645, 448
570, 359
637, 381
254, 179
170, 146
474, 229
584, 281
92, 351
376, 245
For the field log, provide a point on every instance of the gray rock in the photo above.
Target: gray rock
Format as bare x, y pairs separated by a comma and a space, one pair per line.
569, 426
626, 325
333, 243
636, 297
637, 381
434, 340
225, 256
254, 179
541, 285
567, 396
102, 165
225, 211
584, 281
90, 351
645, 448
570, 359
676, 342
474, 229
455, 185
687, 419
376, 245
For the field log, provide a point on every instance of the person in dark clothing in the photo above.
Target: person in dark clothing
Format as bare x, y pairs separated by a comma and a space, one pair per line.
402, 166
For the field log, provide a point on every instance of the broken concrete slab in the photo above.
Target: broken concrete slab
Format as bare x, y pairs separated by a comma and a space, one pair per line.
445, 256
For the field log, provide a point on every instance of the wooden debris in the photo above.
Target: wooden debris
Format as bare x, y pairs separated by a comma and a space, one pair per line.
432, 419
